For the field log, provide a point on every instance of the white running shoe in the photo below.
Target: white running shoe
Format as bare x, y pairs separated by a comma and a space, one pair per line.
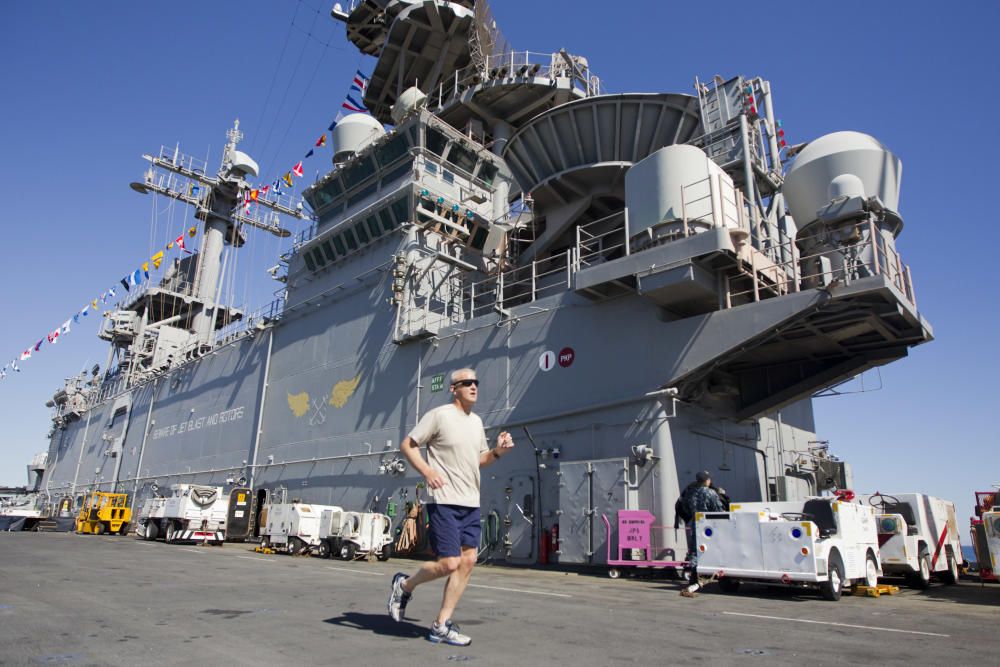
448, 634
398, 597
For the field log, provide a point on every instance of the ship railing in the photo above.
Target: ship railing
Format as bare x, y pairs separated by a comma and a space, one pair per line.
497, 293
112, 386
305, 236
520, 285
869, 256
176, 285
520, 64
602, 240
706, 203
262, 316
173, 156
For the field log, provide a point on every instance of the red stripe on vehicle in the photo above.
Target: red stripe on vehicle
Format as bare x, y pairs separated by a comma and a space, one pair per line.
937, 552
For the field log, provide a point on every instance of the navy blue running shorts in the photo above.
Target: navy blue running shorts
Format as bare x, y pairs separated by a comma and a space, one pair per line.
453, 527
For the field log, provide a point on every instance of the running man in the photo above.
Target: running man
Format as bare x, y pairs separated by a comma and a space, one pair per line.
456, 449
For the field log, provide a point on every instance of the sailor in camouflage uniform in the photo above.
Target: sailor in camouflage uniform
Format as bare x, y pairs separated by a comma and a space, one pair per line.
699, 497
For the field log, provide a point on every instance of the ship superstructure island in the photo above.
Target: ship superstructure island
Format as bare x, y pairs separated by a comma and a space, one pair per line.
645, 283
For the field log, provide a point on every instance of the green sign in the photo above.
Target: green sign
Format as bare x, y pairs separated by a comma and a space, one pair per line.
437, 382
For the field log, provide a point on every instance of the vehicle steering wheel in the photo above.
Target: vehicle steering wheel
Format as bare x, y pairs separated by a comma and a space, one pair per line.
878, 500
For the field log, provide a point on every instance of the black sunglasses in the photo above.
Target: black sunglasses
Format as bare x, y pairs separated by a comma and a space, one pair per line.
466, 383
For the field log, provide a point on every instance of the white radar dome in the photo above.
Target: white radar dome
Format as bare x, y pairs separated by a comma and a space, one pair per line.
408, 101
839, 164
353, 133
244, 163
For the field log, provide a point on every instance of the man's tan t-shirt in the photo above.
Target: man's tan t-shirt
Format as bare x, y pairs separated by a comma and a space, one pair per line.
454, 442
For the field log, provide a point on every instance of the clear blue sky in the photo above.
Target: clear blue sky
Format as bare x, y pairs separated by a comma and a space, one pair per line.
89, 87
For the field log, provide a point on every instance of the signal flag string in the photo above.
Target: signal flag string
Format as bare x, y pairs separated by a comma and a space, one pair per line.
134, 279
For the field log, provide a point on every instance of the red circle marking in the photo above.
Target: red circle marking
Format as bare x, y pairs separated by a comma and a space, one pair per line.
566, 357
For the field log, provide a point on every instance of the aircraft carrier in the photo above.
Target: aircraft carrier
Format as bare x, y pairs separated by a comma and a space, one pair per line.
648, 284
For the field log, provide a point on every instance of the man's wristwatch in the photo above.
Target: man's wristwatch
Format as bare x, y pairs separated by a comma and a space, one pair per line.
495, 454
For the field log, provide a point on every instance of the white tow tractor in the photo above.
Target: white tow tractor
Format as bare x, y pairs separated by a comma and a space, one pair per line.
190, 513
293, 526
918, 537
350, 535
822, 542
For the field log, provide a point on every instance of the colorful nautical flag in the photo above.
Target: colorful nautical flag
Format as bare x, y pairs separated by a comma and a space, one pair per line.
321, 141
360, 82
333, 124
54, 336
254, 194
26, 354
65, 327
288, 179
192, 231
309, 154
352, 104
38, 345
297, 170
157, 259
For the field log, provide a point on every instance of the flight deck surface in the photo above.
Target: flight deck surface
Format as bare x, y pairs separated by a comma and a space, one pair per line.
95, 600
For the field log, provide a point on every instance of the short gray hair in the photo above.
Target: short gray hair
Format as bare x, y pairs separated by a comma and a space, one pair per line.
456, 373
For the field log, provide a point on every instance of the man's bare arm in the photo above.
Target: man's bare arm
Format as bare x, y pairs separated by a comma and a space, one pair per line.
505, 443
411, 450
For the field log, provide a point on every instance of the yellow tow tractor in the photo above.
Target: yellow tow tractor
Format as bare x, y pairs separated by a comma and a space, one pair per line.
104, 513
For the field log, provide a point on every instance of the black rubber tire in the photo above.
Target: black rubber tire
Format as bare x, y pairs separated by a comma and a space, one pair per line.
123, 529
99, 528
921, 579
294, 546
833, 587
950, 576
323, 550
152, 531
348, 550
729, 585
385, 553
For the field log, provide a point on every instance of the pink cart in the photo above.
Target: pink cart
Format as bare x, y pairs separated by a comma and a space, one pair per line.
636, 530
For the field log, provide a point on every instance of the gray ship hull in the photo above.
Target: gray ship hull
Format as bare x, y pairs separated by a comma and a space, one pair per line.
338, 399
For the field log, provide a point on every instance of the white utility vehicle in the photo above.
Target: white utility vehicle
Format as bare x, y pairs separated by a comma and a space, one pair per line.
293, 526
354, 534
820, 542
190, 513
917, 537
